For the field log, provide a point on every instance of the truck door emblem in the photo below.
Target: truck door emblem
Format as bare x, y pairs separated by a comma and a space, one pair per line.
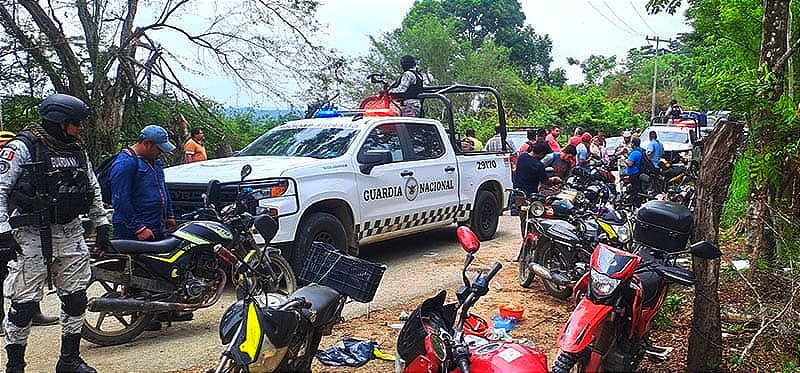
412, 188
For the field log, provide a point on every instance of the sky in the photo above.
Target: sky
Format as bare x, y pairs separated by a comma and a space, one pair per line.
577, 28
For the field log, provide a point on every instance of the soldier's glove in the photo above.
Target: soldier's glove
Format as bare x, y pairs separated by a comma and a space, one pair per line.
9, 248
102, 241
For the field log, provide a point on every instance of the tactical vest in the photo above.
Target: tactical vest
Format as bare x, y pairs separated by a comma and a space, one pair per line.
413, 90
57, 183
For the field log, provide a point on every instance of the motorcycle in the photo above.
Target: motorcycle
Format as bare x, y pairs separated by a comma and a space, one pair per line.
268, 333
620, 296
559, 241
135, 281
432, 341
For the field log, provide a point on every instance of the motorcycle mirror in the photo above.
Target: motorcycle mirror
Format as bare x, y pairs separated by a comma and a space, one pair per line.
246, 171
676, 275
469, 241
705, 250
211, 196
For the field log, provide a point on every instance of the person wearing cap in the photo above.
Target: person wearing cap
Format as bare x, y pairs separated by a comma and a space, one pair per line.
46, 173
142, 206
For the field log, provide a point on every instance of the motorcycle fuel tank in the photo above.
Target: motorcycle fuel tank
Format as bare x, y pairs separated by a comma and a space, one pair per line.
507, 357
205, 233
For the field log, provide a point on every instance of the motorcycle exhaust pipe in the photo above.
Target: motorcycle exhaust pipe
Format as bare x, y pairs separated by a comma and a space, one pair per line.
132, 305
556, 278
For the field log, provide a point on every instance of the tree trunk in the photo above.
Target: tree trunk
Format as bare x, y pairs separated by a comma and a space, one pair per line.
105, 124
774, 45
705, 339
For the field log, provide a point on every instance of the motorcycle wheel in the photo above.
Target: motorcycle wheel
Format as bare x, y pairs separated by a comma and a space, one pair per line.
286, 281
569, 363
526, 276
112, 328
552, 258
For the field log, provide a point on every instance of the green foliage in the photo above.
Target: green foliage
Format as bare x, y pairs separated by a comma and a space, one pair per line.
596, 67
19, 111
663, 318
736, 204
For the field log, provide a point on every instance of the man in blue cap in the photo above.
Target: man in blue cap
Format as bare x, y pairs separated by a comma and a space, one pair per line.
138, 175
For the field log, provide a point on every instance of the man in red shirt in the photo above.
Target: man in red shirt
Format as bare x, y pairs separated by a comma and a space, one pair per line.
555, 131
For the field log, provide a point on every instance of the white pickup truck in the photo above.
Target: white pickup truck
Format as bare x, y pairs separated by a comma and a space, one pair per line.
356, 180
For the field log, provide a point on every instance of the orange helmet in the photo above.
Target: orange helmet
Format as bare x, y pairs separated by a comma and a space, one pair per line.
476, 325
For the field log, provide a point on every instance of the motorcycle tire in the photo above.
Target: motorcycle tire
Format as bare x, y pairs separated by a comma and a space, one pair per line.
485, 215
566, 363
526, 275
551, 257
122, 327
287, 281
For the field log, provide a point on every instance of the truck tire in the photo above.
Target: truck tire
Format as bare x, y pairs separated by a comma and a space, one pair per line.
485, 215
317, 226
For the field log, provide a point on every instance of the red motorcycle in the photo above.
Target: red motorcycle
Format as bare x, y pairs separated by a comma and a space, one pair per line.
429, 342
623, 291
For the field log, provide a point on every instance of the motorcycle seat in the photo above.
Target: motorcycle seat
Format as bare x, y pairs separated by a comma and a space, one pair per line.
651, 286
324, 302
145, 247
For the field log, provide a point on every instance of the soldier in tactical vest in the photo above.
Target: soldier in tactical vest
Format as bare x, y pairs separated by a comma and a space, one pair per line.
407, 88
46, 173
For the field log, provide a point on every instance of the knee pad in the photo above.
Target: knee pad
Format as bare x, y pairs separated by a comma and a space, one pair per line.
21, 314
74, 304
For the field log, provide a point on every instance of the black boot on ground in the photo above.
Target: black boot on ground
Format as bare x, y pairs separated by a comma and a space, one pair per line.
16, 358
70, 359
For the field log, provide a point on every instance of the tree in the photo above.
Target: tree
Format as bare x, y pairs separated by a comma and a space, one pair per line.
705, 339
595, 68
119, 56
474, 21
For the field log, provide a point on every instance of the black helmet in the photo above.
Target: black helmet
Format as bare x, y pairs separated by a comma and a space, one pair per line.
407, 62
58, 108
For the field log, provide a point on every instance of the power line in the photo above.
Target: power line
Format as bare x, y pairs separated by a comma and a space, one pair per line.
640, 17
609, 20
621, 20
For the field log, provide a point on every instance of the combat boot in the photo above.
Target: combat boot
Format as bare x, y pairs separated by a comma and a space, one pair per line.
16, 358
70, 359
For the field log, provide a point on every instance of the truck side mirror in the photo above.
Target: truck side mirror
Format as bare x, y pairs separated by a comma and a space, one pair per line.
372, 158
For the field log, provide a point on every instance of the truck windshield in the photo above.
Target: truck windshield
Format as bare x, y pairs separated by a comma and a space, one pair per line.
302, 142
681, 137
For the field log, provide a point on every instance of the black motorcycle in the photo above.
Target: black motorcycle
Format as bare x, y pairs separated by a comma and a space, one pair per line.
272, 332
135, 281
560, 238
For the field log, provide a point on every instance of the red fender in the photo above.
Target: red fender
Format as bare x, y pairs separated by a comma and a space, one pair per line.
579, 331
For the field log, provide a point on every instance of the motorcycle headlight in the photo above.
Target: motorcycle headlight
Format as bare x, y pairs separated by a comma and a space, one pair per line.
537, 209
601, 284
624, 233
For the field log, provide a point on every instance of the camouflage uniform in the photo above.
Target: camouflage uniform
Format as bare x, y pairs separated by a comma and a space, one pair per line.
70, 261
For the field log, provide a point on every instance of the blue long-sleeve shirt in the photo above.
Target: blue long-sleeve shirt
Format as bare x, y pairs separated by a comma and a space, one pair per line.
139, 196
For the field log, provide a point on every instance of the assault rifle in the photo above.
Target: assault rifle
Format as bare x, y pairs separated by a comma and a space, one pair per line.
41, 214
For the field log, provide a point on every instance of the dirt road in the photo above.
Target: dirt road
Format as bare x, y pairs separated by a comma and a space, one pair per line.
416, 265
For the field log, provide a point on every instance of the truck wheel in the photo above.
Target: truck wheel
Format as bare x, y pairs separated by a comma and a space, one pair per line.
317, 226
485, 215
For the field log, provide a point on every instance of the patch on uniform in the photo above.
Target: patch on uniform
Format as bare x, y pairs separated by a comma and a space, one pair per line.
7, 154
4, 167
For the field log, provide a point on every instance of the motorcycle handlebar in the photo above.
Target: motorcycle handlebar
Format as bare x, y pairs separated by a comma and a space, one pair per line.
493, 272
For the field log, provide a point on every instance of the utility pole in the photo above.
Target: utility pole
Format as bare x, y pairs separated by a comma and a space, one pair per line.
655, 72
